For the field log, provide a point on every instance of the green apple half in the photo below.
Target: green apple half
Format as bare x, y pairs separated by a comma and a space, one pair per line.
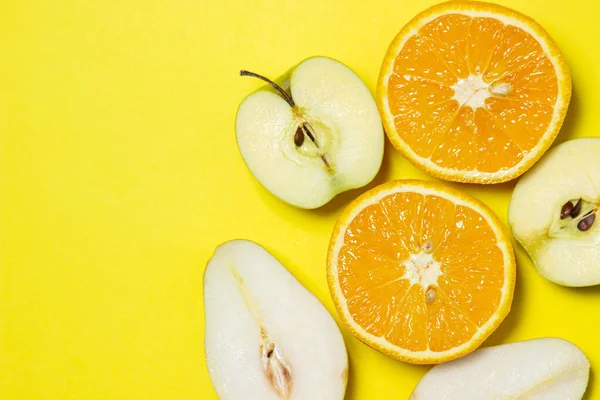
267, 337
553, 213
313, 135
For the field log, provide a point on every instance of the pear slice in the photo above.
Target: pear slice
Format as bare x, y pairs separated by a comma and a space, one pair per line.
267, 337
561, 236
540, 369
315, 134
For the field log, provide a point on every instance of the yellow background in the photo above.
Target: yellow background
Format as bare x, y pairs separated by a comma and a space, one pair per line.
119, 174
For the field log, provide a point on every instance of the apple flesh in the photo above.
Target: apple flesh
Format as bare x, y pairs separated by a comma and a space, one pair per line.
315, 135
267, 337
561, 236
548, 369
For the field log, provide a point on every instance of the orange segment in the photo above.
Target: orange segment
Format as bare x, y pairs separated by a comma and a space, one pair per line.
409, 327
526, 124
446, 36
484, 36
496, 144
459, 144
424, 134
401, 209
515, 49
473, 92
533, 82
417, 53
448, 326
420, 271
438, 222
355, 277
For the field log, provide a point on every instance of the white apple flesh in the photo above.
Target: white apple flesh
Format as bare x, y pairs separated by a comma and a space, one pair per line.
564, 249
267, 337
539, 369
328, 102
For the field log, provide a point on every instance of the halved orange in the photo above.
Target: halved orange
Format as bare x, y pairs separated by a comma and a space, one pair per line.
473, 92
420, 271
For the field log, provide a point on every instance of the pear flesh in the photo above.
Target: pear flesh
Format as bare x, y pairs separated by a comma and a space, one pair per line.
325, 138
539, 369
267, 337
565, 250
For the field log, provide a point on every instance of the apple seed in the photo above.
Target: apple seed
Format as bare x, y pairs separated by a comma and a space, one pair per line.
308, 132
586, 223
576, 210
299, 137
566, 210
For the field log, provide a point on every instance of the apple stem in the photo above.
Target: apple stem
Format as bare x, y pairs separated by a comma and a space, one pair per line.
304, 127
286, 96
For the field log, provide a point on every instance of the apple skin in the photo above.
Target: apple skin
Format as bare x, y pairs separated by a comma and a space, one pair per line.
347, 125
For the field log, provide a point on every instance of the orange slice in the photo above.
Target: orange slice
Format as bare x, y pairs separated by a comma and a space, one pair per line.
473, 92
420, 271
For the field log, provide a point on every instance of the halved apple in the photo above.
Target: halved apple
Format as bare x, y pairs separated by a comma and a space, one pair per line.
553, 213
313, 135
267, 337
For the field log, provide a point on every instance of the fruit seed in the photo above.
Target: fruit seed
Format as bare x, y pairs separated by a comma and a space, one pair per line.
430, 294
299, 137
586, 223
428, 246
308, 129
576, 210
566, 210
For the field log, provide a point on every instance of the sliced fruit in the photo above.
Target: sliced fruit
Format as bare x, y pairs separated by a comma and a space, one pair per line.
420, 271
473, 92
543, 369
553, 213
315, 135
267, 337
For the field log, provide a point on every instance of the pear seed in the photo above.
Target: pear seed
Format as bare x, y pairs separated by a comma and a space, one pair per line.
276, 369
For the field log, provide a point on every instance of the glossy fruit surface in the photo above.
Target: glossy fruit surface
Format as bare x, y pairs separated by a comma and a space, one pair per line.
473, 92
420, 271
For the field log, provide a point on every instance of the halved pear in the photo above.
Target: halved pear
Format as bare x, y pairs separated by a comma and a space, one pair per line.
541, 369
315, 134
267, 337
553, 213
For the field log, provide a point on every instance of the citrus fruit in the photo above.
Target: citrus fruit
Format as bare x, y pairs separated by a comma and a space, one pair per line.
473, 92
420, 271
